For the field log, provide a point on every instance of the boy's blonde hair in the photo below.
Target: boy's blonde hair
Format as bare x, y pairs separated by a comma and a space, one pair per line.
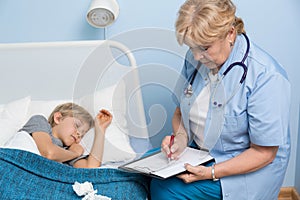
72, 110
206, 21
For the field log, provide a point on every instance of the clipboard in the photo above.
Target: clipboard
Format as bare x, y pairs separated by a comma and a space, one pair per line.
157, 165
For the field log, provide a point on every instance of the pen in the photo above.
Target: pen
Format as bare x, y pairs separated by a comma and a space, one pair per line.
171, 143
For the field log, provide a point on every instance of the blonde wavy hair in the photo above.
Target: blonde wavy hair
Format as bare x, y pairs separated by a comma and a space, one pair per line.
205, 21
72, 110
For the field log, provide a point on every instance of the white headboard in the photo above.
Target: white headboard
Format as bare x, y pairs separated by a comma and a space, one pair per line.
67, 70
45, 70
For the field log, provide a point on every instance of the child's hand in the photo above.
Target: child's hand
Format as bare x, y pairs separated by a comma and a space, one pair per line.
103, 119
76, 148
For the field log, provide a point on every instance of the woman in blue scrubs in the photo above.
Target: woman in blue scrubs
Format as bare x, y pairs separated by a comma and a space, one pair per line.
232, 99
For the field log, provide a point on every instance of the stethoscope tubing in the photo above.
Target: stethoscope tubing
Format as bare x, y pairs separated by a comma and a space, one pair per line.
241, 63
189, 91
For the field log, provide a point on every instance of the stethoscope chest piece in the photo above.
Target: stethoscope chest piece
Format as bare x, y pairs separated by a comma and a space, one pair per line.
188, 92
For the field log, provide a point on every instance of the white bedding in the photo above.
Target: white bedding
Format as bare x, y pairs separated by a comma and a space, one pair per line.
15, 114
23, 141
84, 72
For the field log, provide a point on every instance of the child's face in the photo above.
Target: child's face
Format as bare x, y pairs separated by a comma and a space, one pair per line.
70, 130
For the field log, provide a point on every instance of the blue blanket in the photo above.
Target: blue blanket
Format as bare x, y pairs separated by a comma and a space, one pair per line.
28, 176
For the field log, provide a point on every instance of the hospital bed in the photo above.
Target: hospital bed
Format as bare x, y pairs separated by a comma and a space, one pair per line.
34, 78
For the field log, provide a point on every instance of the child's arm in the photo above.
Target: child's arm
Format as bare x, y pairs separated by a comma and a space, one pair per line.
54, 152
102, 121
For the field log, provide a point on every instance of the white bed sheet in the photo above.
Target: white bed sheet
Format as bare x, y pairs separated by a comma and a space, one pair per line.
62, 71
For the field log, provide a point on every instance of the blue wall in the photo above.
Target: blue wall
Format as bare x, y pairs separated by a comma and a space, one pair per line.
297, 175
273, 24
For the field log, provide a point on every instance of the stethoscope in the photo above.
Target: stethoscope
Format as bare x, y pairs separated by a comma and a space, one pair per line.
188, 92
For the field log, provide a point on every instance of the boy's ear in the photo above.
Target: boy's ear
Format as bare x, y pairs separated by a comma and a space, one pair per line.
57, 117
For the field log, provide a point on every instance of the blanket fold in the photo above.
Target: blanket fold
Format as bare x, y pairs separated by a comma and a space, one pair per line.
25, 175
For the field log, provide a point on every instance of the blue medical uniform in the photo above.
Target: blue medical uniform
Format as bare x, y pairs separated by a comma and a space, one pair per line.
258, 113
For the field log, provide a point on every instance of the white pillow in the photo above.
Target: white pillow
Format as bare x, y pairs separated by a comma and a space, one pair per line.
12, 118
117, 145
23, 141
1, 108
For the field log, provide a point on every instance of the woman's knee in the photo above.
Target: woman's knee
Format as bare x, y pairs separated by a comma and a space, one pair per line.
175, 188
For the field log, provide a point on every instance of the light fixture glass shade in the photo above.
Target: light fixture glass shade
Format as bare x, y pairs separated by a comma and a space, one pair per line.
102, 13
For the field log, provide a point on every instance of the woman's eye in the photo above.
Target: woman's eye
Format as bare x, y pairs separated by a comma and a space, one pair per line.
203, 48
199, 48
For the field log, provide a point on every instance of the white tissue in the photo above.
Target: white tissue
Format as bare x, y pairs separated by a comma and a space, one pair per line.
86, 189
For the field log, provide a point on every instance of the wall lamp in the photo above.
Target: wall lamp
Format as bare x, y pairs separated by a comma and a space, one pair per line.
102, 13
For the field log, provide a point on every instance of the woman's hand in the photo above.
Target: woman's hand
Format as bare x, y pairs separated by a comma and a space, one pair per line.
103, 120
195, 173
252, 159
180, 143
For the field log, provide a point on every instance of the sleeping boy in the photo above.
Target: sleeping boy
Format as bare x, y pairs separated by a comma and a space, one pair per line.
58, 138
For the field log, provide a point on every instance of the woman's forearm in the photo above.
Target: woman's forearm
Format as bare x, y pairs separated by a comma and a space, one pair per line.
254, 158
177, 122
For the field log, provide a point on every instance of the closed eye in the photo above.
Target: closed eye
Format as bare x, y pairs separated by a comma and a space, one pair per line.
199, 48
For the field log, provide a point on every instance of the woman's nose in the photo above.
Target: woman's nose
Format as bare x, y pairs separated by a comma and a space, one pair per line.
198, 55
